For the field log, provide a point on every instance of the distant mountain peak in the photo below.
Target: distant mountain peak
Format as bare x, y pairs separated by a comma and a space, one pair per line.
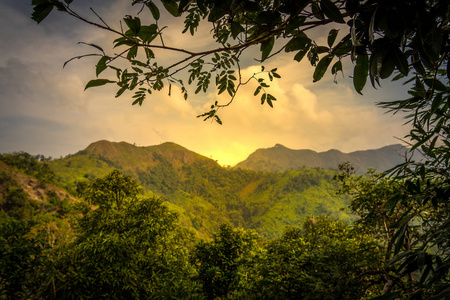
281, 158
138, 158
279, 146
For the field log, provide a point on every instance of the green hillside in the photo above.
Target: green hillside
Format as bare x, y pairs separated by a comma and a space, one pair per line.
204, 193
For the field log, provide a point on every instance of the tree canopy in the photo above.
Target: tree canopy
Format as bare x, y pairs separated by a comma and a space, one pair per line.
383, 37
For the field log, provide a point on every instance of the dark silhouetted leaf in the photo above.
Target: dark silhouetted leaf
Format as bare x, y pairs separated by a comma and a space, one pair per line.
400, 61
322, 67
336, 67
266, 48
154, 10
41, 11
101, 65
97, 82
331, 11
297, 43
236, 28
133, 23
332, 37
360, 72
172, 7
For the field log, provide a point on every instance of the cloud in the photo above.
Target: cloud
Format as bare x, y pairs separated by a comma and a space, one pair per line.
44, 108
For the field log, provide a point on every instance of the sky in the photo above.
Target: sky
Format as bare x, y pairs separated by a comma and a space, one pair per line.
45, 110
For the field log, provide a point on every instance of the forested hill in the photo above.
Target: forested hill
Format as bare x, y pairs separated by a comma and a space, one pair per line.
204, 193
135, 158
281, 158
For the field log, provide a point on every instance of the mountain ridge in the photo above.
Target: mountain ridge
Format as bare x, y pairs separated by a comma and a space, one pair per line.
205, 194
280, 158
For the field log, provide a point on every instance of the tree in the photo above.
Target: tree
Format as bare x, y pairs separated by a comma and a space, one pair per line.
386, 39
128, 251
394, 211
21, 254
223, 263
324, 259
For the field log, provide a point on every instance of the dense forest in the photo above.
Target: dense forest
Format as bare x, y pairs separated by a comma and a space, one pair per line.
200, 231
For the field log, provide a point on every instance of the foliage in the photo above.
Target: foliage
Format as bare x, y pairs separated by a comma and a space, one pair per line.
124, 247
382, 38
162, 178
111, 190
416, 230
223, 263
324, 259
78, 168
207, 195
21, 258
31, 165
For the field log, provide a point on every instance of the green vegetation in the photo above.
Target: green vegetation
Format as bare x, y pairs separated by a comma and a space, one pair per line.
205, 194
30, 165
116, 243
123, 245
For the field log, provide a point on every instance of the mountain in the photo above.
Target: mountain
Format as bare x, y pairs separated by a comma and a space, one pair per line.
280, 158
133, 158
205, 194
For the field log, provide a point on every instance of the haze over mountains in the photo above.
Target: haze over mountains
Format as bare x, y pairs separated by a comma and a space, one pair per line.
275, 159
279, 158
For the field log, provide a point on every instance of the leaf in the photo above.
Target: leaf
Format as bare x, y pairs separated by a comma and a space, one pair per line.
360, 72
297, 43
132, 53
387, 67
148, 33
258, 89
123, 41
332, 37
41, 11
133, 23
316, 11
97, 82
294, 23
101, 65
172, 7
218, 120
400, 61
149, 53
331, 11
266, 48
154, 10
300, 54
93, 45
263, 98
121, 90
336, 67
269, 100
322, 67
344, 46
236, 28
